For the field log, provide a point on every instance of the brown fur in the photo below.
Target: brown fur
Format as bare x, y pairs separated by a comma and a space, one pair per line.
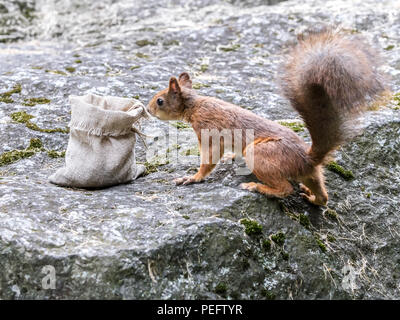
327, 79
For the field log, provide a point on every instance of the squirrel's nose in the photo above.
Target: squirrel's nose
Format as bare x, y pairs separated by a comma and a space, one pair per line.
148, 109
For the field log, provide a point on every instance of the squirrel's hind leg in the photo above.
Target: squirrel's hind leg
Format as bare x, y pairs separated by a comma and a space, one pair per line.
264, 158
314, 189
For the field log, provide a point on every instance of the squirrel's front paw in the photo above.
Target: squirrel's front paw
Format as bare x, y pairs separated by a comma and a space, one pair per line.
187, 180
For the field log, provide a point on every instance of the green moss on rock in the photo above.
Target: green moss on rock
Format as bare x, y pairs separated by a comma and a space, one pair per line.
251, 227
55, 154
180, 125
16, 89
34, 101
70, 69
304, 220
191, 152
198, 86
204, 67
231, 48
62, 73
145, 42
35, 143
12, 156
278, 238
321, 245
268, 294
6, 96
23, 117
295, 126
221, 288
266, 244
142, 55
345, 174
172, 42
331, 214
152, 166
6, 100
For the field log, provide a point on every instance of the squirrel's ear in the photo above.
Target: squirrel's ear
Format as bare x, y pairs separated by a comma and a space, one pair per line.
184, 80
174, 86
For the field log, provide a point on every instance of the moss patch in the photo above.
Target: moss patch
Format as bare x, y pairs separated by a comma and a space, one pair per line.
278, 238
304, 220
23, 117
191, 152
251, 227
34, 101
198, 86
35, 143
321, 244
6, 99
268, 294
295, 126
78, 61
396, 98
142, 55
204, 67
62, 73
172, 42
12, 156
331, 214
221, 288
345, 174
180, 125
55, 154
134, 67
231, 48
266, 244
152, 166
6, 96
145, 42
70, 69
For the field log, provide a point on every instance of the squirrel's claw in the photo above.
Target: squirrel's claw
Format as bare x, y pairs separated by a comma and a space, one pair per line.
187, 180
310, 198
306, 190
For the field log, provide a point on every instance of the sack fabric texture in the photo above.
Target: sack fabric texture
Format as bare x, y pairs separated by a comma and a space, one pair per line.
101, 146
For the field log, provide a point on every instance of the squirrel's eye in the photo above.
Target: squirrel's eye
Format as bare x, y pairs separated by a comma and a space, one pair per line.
160, 102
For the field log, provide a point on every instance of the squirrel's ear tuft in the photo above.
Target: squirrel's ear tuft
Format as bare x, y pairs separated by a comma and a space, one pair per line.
174, 86
184, 80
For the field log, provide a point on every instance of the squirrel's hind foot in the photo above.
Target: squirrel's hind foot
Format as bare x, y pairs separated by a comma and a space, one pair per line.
187, 180
279, 192
307, 194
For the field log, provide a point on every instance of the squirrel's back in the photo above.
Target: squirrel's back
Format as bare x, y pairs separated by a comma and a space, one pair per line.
329, 77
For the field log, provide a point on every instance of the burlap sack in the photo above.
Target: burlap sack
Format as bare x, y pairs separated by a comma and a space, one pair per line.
101, 146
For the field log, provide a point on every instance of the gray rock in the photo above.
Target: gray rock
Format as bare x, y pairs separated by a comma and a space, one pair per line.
149, 238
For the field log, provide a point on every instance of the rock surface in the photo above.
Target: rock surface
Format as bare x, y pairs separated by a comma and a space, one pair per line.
151, 239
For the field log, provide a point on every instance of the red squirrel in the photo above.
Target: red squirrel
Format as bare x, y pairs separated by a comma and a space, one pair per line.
328, 78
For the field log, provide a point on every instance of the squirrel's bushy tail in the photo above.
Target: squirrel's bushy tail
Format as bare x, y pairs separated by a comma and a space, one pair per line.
329, 78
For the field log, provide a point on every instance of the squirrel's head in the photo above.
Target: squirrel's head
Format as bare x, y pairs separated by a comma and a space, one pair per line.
168, 104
